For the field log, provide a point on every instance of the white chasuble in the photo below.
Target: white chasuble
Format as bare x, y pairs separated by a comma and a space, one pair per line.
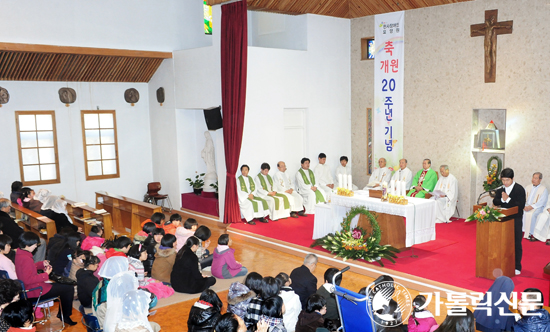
282, 184
535, 197
276, 203
309, 196
250, 209
446, 205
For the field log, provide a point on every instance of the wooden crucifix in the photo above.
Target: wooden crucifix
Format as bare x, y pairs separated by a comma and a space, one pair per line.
490, 29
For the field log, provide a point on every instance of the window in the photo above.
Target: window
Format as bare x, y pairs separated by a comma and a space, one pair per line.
37, 140
367, 48
100, 144
207, 18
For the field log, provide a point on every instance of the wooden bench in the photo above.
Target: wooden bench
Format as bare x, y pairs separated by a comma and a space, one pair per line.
34, 222
127, 213
81, 214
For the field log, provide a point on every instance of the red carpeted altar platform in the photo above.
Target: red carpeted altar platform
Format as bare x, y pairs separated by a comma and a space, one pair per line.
449, 259
204, 203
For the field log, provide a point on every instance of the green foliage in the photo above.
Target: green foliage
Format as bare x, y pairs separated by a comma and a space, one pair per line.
486, 214
198, 182
214, 185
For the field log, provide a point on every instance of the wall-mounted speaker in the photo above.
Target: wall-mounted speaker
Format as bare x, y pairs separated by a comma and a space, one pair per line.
213, 118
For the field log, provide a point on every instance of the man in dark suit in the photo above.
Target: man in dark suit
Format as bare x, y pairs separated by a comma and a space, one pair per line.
512, 195
7, 224
304, 283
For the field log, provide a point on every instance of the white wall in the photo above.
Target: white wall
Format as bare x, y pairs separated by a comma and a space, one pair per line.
277, 30
134, 139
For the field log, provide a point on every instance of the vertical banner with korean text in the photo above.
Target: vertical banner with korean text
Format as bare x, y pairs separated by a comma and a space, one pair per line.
388, 88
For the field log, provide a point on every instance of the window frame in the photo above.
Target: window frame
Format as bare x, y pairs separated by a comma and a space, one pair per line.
103, 176
20, 149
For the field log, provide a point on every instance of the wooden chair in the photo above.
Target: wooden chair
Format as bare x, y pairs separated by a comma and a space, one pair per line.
154, 197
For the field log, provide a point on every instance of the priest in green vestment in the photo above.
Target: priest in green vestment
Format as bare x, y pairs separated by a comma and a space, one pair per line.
308, 188
279, 205
424, 181
252, 206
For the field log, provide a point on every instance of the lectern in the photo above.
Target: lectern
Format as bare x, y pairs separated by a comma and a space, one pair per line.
495, 245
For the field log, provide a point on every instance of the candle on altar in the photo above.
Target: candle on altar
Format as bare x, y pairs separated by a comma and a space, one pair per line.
403, 188
392, 187
344, 182
339, 180
350, 185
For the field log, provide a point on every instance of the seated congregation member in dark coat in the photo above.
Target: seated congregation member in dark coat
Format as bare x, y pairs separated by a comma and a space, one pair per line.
56, 209
15, 195
492, 317
86, 282
311, 317
27, 198
205, 312
326, 291
186, 277
59, 253
534, 317
304, 283
7, 224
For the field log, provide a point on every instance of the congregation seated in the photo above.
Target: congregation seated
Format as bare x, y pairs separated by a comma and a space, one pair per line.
172, 224
421, 319
19, 316
121, 245
379, 176
55, 208
230, 322
108, 270
492, 316
164, 258
536, 196
9, 293
94, 238
458, 323
278, 204
304, 283
29, 201
311, 317
308, 187
136, 255
326, 291
157, 218
323, 175
224, 265
205, 312
15, 195
254, 282
533, 316
186, 276
424, 181
203, 233
86, 281
6, 264
291, 300
272, 314
252, 206
152, 244
7, 224
183, 233
446, 203
58, 253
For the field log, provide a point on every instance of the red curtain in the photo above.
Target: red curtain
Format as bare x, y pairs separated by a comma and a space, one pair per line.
234, 38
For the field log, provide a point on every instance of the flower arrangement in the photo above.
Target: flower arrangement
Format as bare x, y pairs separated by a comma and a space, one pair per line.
401, 200
344, 192
356, 243
486, 214
492, 180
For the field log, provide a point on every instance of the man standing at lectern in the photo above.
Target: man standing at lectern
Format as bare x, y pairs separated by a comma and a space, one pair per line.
512, 195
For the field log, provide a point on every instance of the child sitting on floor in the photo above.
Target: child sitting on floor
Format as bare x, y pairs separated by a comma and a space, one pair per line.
165, 258
146, 230
121, 246
157, 218
86, 281
421, 320
93, 239
19, 315
136, 256
188, 229
224, 265
172, 225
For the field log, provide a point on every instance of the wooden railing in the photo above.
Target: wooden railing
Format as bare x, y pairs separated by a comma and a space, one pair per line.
34, 222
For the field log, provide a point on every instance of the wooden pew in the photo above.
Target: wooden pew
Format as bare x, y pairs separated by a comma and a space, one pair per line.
34, 222
127, 213
80, 214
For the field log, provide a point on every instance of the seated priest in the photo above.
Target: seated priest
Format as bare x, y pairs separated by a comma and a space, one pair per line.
542, 229
283, 185
381, 174
324, 176
424, 180
308, 188
537, 195
403, 174
446, 203
344, 169
279, 206
251, 205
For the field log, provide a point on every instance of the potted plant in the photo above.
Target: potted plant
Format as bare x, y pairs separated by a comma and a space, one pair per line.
197, 183
215, 186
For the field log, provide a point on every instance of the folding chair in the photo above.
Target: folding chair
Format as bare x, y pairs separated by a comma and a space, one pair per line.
354, 309
90, 321
40, 302
4, 274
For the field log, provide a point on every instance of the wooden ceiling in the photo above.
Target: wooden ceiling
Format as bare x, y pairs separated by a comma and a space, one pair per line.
338, 8
29, 62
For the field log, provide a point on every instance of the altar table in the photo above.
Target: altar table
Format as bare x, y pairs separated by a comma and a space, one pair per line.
419, 215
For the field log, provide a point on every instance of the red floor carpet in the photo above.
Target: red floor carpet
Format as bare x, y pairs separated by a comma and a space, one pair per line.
449, 259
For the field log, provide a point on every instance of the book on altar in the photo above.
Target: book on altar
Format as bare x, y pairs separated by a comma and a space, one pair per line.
436, 194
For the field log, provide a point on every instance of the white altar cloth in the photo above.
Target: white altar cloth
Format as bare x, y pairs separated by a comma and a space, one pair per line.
419, 213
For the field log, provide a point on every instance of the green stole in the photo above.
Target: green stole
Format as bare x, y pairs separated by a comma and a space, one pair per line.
286, 203
256, 198
318, 196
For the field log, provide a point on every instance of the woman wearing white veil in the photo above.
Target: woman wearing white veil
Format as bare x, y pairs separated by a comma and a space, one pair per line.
135, 309
41, 195
112, 267
56, 209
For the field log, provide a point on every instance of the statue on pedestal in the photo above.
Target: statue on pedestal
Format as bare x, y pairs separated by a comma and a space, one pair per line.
209, 158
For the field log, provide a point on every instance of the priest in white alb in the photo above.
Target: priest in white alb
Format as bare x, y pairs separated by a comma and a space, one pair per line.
403, 174
323, 175
542, 229
282, 184
307, 187
379, 175
446, 203
344, 169
251, 205
279, 206
536, 197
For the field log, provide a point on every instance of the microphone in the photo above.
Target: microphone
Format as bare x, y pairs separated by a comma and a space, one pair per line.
495, 189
